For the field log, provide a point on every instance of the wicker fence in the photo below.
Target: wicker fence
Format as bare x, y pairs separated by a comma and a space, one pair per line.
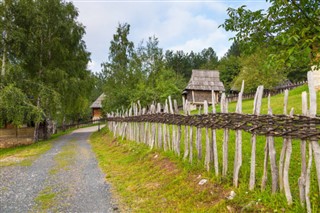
183, 134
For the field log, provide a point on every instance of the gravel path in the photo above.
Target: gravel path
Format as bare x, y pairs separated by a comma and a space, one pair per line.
65, 179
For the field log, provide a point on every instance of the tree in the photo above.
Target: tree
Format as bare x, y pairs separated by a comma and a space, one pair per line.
210, 59
44, 39
289, 29
117, 71
16, 108
256, 71
229, 66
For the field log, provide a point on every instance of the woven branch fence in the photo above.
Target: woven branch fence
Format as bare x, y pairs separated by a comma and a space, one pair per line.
164, 130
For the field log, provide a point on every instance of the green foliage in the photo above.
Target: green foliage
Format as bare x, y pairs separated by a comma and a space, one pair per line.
16, 108
46, 58
255, 71
229, 68
137, 74
289, 29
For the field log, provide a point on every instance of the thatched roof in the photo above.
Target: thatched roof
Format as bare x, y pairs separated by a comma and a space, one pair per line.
98, 103
205, 80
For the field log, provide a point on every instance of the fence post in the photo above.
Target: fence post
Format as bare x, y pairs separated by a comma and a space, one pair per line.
214, 138
238, 144
302, 178
284, 145
256, 111
224, 109
208, 150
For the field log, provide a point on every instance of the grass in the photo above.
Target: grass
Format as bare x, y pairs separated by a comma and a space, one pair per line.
131, 169
294, 101
46, 199
65, 158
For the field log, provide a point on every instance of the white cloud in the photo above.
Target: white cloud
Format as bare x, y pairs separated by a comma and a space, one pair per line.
178, 26
91, 65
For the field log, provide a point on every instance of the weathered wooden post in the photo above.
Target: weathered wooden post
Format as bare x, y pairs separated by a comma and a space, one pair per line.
238, 144
284, 145
208, 150
214, 138
224, 109
302, 178
256, 111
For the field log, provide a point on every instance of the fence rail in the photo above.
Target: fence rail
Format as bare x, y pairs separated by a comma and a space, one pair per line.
164, 131
296, 126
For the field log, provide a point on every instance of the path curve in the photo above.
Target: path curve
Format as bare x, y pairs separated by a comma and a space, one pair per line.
64, 179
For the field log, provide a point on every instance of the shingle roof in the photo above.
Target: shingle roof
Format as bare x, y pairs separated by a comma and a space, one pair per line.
205, 80
98, 103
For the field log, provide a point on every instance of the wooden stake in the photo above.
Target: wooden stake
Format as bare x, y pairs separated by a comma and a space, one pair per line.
238, 144
208, 150
312, 113
286, 184
224, 109
214, 138
284, 144
256, 111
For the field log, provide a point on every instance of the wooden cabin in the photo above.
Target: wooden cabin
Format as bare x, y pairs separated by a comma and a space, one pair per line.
201, 85
96, 107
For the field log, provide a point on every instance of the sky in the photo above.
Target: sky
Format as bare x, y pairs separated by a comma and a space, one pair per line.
187, 25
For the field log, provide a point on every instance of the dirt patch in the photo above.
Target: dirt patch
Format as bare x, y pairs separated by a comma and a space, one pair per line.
12, 159
165, 164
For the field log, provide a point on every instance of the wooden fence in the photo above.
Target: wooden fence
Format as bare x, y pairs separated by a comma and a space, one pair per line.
164, 131
16, 137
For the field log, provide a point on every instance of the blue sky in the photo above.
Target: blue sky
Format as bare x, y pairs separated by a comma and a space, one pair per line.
179, 25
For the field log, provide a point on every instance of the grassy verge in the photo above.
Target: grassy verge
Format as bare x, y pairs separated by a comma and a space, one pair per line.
151, 180
25, 155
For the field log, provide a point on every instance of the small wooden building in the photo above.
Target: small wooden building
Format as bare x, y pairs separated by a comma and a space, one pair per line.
201, 85
96, 107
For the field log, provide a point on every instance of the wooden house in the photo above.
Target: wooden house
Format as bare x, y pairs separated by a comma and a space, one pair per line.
201, 85
96, 107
